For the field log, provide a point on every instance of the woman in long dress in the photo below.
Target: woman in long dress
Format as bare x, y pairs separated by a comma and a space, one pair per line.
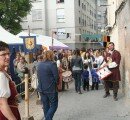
8, 92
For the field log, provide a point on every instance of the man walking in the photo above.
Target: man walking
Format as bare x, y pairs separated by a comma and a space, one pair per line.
113, 58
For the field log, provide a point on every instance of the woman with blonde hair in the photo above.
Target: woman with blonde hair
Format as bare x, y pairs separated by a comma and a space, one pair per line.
47, 73
98, 58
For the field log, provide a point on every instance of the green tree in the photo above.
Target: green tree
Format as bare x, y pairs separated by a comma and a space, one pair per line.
12, 12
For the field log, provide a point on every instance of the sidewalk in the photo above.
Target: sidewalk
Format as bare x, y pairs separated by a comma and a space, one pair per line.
91, 106
87, 106
34, 110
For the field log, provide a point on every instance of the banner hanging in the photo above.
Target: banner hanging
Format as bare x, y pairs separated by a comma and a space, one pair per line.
29, 44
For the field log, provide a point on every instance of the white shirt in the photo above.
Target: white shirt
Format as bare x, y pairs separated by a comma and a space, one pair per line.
99, 60
4, 86
58, 63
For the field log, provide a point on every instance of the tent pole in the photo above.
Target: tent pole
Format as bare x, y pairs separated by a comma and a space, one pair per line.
52, 40
28, 30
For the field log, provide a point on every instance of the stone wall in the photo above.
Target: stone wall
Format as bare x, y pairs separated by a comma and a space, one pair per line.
120, 35
124, 47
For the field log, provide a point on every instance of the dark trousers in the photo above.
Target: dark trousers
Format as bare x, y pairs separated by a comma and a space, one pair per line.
64, 85
77, 78
85, 84
95, 85
50, 104
114, 85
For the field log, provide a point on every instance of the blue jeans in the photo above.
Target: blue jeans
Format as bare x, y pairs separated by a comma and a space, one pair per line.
77, 78
50, 104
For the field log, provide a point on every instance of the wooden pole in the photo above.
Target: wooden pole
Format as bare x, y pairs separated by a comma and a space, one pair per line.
28, 30
26, 97
27, 116
52, 40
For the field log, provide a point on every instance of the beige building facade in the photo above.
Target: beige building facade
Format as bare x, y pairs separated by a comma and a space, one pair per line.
101, 16
120, 34
64, 19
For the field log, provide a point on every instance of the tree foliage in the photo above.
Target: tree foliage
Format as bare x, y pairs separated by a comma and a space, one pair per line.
12, 12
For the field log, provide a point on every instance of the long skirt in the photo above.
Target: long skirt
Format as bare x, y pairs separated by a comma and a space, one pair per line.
15, 112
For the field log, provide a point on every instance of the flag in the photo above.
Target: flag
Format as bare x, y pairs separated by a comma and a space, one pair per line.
29, 44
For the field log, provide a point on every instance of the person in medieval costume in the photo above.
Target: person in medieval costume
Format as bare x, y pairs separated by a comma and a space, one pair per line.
113, 59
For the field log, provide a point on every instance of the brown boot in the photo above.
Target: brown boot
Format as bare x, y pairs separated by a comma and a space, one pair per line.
115, 97
80, 92
106, 95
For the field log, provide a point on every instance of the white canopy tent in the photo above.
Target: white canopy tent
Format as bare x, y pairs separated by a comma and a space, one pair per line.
9, 38
45, 41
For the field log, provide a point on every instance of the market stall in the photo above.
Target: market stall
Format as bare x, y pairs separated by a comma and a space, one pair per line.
46, 41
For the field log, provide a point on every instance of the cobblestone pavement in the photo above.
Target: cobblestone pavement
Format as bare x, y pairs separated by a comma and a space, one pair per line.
34, 109
87, 106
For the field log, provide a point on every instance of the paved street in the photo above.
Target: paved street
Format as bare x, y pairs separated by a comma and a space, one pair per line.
88, 36
87, 106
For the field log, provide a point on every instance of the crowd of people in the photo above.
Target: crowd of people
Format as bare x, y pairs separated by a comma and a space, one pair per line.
49, 67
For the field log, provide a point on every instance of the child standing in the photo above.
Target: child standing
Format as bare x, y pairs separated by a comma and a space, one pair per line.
85, 78
95, 78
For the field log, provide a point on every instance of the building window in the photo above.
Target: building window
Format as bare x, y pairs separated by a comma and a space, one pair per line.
95, 26
82, 6
36, 15
99, 15
79, 20
85, 22
89, 22
79, 2
98, 2
80, 34
95, 14
92, 12
61, 34
60, 1
99, 26
92, 26
82, 19
60, 13
87, 6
